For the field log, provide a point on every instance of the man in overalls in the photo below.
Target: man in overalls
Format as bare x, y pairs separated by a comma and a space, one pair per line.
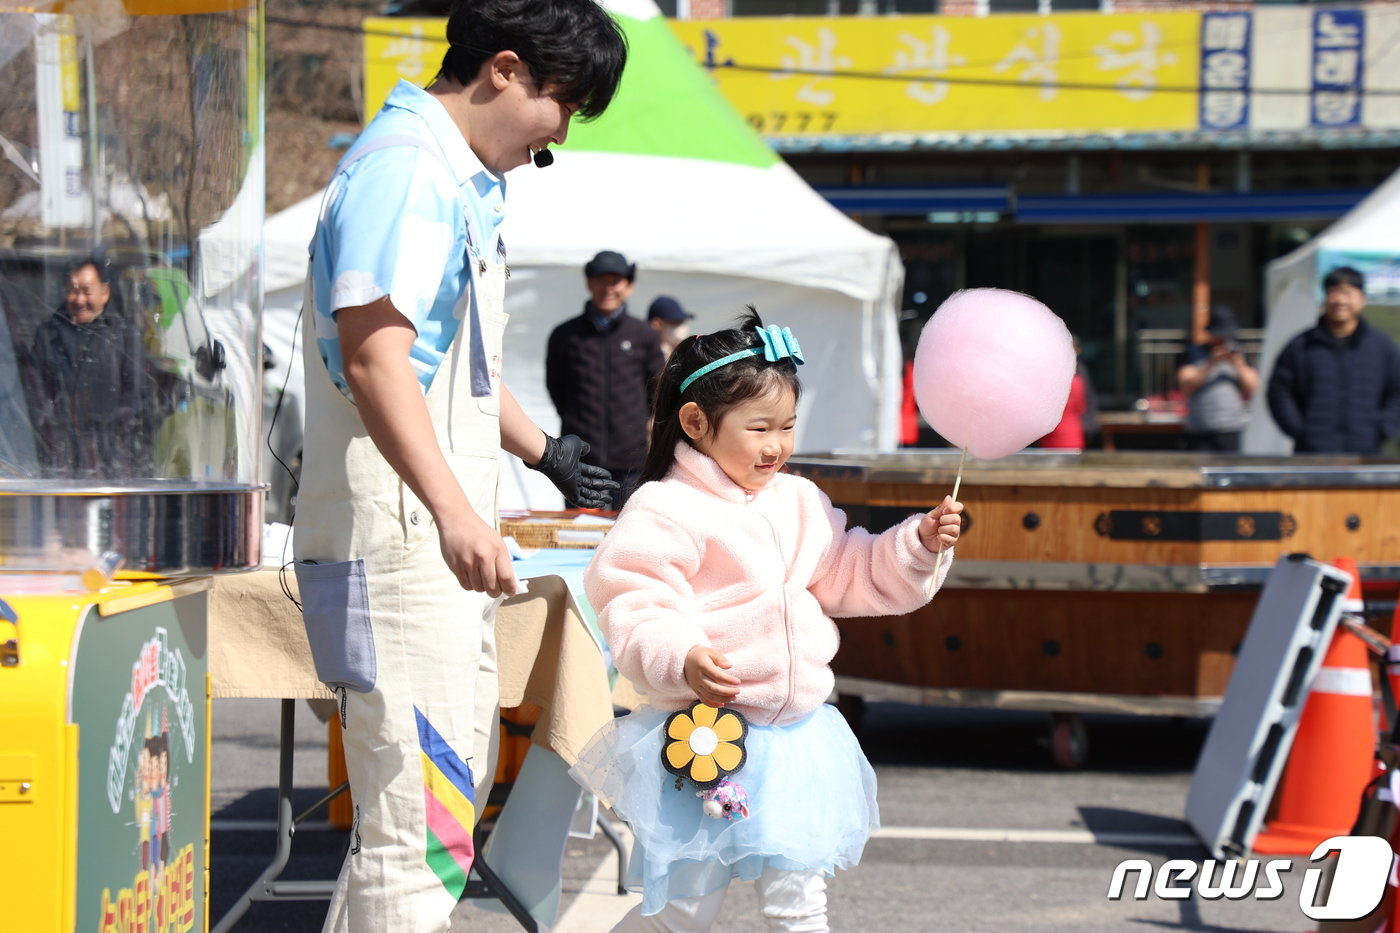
399, 564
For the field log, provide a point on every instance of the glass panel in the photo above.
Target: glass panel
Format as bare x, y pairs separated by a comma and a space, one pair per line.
131, 209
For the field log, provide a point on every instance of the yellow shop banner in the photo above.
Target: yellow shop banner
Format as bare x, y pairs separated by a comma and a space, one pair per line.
928, 75
400, 48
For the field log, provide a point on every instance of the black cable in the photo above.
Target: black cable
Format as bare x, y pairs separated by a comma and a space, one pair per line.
277, 409
1018, 83
296, 485
287, 587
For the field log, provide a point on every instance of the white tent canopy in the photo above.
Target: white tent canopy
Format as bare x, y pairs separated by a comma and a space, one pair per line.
754, 244
717, 237
715, 233
1368, 238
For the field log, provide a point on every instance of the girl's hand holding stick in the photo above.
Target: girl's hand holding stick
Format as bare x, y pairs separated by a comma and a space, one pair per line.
939, 528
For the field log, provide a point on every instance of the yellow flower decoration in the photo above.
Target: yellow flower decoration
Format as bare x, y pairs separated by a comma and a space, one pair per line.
707, 743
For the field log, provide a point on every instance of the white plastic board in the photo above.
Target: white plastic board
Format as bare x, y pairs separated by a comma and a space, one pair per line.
1251, 735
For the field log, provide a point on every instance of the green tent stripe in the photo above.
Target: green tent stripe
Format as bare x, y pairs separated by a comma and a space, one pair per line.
667, 106
445, 866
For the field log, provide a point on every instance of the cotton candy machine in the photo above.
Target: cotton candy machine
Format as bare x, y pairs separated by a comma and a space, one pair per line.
131, 208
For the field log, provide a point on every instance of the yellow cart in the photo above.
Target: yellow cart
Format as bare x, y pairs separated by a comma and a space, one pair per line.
104, 761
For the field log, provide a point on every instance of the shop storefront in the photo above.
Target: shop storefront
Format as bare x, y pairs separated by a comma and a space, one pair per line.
1131, 169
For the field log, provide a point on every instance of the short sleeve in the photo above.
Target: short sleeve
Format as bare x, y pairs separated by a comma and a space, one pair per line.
391, 224
391, 230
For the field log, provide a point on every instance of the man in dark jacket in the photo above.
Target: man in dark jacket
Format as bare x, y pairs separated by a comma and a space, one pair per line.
600, 369
1335, 387
88, 400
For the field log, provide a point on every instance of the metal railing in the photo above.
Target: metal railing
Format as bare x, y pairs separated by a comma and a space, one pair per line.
1159, 351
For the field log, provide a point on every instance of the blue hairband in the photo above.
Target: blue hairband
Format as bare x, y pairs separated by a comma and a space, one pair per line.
778, 344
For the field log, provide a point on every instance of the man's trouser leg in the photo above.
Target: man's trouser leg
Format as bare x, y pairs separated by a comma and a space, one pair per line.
417, 751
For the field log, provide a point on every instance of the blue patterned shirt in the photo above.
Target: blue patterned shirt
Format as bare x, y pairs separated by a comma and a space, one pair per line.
394, 222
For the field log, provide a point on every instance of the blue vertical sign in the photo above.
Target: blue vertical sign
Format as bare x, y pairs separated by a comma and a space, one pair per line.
1224, 100
1339, 38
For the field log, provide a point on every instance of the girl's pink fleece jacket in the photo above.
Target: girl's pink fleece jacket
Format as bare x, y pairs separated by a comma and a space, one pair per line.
696, 560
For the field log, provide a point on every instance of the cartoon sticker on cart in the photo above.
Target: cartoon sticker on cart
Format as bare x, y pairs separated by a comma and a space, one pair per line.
154, 735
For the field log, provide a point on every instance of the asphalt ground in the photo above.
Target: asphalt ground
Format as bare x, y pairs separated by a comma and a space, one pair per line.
981, 831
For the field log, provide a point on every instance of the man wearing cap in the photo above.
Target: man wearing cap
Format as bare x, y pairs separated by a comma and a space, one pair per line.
668, 318
1217, 383
600, 369
1335, 387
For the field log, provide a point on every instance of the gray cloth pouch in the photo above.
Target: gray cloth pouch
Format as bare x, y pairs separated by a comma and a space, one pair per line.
335, 610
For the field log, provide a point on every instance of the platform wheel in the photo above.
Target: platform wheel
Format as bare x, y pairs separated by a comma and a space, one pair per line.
1069, 740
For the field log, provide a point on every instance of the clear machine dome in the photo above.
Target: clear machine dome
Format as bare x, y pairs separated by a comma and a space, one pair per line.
131, 210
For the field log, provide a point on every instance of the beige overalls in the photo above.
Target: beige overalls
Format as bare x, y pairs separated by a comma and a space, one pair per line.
410, 653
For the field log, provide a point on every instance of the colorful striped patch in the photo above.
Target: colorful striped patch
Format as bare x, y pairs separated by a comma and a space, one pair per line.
449, 803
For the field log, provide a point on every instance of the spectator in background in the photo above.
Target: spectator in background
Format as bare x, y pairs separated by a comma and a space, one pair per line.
669, 319
908, 409
1090, 416
1217, 384
601, 368
1080, 419
1335, 387
87, 398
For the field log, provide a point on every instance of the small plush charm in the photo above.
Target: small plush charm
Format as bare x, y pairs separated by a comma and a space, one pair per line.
707, 744
726, 799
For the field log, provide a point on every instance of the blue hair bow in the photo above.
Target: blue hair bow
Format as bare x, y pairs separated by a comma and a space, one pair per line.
779, 343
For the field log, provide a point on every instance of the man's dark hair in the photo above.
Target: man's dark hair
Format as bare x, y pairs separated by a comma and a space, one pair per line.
1344, 275
100, 264
572, 44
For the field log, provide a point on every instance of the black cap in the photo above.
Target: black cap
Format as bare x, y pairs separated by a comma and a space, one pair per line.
668, 309
1221, 322
610, 263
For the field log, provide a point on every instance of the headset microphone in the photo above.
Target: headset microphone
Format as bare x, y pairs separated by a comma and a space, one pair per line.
543, 158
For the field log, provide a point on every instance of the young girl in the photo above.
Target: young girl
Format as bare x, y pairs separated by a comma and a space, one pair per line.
718, 583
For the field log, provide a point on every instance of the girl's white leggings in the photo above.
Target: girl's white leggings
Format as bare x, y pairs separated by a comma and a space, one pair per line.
790, 901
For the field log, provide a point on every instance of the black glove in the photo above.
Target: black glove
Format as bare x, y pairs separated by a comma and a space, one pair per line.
583, 485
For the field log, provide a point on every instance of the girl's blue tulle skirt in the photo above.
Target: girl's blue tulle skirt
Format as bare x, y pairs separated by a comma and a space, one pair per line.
811, 799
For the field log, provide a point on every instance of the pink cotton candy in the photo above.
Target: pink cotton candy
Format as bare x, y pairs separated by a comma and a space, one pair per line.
992, 371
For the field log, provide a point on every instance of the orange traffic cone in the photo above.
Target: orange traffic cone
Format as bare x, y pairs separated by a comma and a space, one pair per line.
1330, 763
